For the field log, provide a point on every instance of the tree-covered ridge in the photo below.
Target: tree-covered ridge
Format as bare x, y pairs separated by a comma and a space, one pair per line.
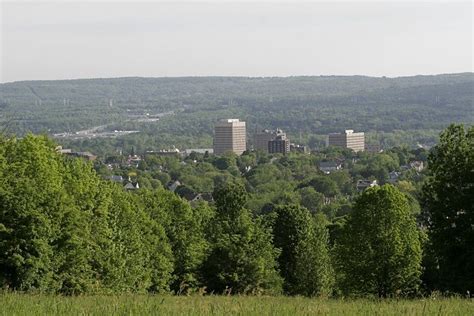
63, 229
310, 105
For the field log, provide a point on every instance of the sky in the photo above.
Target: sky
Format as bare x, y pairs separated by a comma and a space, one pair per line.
67, 40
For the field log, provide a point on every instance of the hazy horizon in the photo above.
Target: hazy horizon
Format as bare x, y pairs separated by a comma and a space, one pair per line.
84, 40
239, 76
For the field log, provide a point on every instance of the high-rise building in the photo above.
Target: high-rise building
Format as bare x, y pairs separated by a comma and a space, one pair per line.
279, 144
262, 138
348, 139
230, 136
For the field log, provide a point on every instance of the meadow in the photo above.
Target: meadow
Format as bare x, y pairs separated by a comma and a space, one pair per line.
133, 304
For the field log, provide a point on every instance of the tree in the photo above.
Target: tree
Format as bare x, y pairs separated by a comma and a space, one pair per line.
378, 251
225, 161
185, 229
242, 258
311, 199
137, 257
322, 184
448, 205
377, 165
304, 260
63, 229
31, 207
343, 181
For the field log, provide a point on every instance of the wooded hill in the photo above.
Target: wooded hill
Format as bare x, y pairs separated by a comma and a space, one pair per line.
310, 105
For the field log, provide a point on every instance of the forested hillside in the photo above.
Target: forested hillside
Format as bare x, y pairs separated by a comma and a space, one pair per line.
420, 106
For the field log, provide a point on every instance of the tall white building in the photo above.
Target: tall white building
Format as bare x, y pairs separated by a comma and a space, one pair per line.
348, 139
230, 136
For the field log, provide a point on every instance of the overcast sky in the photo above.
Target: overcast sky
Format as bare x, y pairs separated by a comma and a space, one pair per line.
65, 40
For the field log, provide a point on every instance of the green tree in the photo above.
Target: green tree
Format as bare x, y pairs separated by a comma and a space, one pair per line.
378, 251
304, 260
242, 258
323, 184
75, 245
448, 204
225, 161
185, 229
138, 258
63, 229
311, 199
32, 204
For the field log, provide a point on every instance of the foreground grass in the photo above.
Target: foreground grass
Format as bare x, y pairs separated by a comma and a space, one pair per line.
26, 304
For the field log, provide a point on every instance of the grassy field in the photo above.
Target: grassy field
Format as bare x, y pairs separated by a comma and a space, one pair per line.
21, 304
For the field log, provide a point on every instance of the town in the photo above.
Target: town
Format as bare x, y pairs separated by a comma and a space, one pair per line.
346, 164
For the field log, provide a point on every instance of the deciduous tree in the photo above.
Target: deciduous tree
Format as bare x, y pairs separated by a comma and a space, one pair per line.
448, 204
304, 260
379, 251
242, 259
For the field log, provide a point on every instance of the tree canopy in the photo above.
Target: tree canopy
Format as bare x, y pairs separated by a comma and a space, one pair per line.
379, 250
448, 204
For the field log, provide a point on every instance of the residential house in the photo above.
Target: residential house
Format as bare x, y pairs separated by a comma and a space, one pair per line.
329, 166
131, 186
393, 177
80, 154
364, 184
173, 185
417, 165
134, 160
114, 178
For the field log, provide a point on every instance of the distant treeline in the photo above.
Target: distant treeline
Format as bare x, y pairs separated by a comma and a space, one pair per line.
310, 106
65, 230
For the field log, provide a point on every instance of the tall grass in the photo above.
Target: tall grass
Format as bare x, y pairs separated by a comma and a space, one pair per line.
29, 304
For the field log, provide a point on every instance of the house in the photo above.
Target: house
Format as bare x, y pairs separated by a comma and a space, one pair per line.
299, 148
328, 166
373, 148
133, 160
393, 177
173, 152
85, 154
364, 184
202, 197
131, 186
114, 178
188, 152
80, 154
60, 150
192, 196
173, 185
417, 165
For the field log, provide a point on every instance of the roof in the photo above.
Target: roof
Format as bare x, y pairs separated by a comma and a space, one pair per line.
131, 186
115, 178
173, 185
329, 164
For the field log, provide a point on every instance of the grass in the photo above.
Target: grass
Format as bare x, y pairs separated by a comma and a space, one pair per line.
28, 304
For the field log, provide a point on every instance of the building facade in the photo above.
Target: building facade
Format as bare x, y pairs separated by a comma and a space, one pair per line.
262, 139
279, 145
348, 139
297, 148
230, 136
